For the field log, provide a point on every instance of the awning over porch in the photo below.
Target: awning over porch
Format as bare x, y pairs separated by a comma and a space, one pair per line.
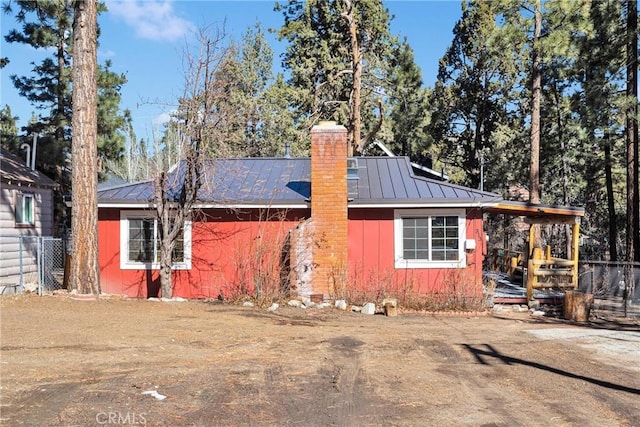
543, 270
538, 213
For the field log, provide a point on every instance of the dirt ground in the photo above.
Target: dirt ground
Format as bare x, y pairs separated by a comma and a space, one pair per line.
66, 362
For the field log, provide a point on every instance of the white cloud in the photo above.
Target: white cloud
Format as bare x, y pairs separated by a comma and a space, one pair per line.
162, 118
151, 19
106, 54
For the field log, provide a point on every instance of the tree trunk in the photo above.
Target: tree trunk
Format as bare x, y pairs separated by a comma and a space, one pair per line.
166, 282
613, 232
85, 273
163, 225
536, 95
633, 200
356, 65
565, 168
60, 87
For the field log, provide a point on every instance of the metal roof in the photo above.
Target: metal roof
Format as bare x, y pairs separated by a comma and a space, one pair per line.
14, 171
390, 180
286, 182
430, 173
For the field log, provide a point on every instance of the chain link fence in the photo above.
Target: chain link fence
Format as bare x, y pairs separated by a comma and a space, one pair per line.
614, 285
31, 264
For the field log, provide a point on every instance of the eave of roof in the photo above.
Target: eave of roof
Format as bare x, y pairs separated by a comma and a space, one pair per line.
514, 208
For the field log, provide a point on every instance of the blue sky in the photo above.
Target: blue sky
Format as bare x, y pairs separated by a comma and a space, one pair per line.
145, 40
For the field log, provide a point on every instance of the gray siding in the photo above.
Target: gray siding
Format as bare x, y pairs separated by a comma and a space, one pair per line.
19, 244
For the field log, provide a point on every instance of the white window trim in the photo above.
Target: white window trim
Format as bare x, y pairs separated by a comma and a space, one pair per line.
401, 263
20, 204
126, 264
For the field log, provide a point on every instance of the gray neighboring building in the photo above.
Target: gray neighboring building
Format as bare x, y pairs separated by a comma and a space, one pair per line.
26, 213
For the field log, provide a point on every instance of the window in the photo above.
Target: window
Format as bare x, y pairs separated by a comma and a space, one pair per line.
140, 244
352, 168
24, 209
429, 238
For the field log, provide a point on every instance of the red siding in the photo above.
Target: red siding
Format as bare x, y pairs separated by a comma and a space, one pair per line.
231, 251
372, 260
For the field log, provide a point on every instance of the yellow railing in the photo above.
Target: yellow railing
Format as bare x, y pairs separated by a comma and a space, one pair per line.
506, 261
545, 271
542, 270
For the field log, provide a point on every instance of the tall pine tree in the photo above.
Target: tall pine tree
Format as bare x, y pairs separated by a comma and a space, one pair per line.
47, 25
337, 59
470, 100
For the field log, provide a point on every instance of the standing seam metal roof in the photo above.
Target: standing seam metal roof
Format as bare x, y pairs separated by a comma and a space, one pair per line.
286, 181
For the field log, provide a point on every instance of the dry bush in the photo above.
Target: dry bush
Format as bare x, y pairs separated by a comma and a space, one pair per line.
265, 271
262, 263
457, 292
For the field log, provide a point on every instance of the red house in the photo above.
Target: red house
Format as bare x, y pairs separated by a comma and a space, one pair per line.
321, 227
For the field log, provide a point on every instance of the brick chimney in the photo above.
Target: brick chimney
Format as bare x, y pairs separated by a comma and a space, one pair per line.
329, 206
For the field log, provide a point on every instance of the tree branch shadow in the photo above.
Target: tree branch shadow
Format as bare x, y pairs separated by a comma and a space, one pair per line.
483, 356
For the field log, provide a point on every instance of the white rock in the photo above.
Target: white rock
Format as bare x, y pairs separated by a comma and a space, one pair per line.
538, 313
247, 304
295, 303
369, 308
356, 309
341, 304
31, 287
155, 394
175, 299
273, 307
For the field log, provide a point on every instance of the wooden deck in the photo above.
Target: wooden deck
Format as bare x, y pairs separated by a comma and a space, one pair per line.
508, 291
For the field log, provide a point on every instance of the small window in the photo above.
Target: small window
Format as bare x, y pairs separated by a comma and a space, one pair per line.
140, 243
24, 209
429, 239
352, 168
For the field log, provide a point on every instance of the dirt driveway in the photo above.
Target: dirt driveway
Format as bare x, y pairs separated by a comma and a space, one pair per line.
81, 363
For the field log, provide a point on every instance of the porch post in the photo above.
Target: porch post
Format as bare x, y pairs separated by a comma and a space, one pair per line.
530, 267
575, 243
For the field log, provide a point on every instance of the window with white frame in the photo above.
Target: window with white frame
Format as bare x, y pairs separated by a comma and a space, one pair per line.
427, 238
140, 243
25, 209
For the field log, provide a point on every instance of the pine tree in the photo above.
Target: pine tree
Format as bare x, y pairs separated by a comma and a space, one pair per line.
633, 197
9, 130
47, 25
409, 112
470, 100
598, 73
85, 269
254, 122
337, 58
